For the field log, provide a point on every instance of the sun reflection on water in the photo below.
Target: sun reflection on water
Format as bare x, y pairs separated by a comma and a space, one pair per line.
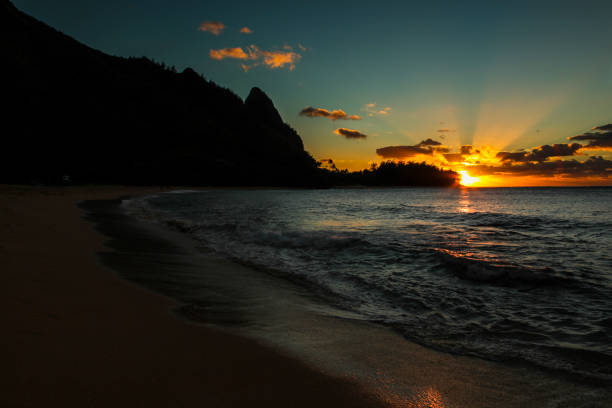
427, 398
395, 394
465, 204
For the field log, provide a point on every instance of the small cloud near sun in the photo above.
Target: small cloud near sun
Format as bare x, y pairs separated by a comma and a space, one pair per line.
213, 27
324, 113
350, 133
246, 30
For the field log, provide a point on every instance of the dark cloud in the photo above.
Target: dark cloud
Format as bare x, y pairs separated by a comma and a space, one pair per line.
607, 127
401, 152
429, 142
454, 157
511, 156
600, 137
594, 166
427, 147
324, 113
350, 133
541, 153
466, 149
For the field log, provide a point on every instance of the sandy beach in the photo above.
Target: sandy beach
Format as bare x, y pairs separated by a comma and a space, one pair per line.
74, 334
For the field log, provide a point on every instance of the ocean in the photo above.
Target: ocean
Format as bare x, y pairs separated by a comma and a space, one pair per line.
505, 274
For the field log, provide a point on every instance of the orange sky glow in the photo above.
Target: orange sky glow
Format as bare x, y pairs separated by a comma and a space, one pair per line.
567, 163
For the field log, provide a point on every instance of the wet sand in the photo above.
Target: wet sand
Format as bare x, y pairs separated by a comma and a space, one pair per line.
74, 334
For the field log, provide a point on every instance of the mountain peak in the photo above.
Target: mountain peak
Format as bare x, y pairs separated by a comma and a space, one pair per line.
259, 104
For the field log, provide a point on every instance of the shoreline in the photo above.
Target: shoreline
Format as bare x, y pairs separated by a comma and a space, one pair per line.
78, 335
385, 363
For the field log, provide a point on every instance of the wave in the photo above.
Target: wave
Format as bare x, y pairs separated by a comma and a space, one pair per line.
495, 271
298, 240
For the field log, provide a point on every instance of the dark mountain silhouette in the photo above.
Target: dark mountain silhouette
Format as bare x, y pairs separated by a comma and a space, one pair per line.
98, 118
76, 111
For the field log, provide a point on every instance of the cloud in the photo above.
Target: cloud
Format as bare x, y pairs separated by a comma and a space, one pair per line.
324, 113
511, 156
459, 157
271, 59
350, 133
445, 130
372, 110
214, 27
541, 153
237, 53
427, 147
594, 166
607, 127
429, 142
454, 157
402, 152
278, 59
600, 138
246, 30
467, 149
301, 47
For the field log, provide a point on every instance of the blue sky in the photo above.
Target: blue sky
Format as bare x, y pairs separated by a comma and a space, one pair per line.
509, 75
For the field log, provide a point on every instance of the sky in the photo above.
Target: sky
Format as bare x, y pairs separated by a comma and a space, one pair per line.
513, 93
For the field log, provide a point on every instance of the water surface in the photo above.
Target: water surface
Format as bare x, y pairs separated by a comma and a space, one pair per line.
506, 274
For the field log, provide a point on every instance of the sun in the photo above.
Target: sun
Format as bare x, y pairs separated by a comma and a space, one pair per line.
466, 179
